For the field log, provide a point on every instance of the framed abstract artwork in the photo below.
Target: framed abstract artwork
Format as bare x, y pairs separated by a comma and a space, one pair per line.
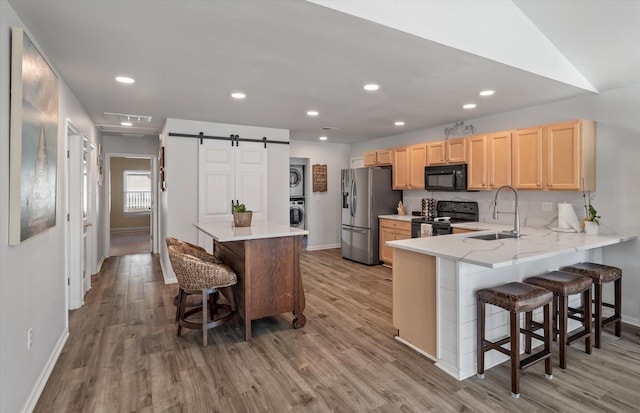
33, 153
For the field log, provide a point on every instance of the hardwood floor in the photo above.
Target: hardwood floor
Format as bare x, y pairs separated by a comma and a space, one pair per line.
130, 242
123, 355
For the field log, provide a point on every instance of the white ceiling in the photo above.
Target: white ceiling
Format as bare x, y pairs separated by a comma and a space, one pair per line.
292, 56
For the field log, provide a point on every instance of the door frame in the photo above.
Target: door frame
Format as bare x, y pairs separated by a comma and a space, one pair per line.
153, 159
76, 251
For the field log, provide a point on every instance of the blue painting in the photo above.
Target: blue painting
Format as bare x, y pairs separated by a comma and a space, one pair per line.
34, 140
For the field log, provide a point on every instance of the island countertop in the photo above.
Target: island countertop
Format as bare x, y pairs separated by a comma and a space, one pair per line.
222, 230
535, 244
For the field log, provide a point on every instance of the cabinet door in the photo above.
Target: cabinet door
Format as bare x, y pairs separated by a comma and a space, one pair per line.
436, 153
386, 253
370, 158
384, 157
499, 155
251, 177
216, 184
562, 142
418, 160
527, 158
400, 168
477, 165
456, 150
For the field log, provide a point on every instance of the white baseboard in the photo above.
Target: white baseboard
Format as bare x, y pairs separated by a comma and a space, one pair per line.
100, 264
322, 247
167, 280
46, 372
631, 320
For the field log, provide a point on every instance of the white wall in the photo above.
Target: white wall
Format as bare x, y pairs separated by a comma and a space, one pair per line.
617, 196
179, 203
32, 291
323, 208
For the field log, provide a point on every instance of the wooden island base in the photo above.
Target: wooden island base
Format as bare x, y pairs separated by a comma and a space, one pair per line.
269, 281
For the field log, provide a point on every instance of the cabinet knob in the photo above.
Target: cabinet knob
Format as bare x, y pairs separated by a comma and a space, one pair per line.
538, 184
548, 183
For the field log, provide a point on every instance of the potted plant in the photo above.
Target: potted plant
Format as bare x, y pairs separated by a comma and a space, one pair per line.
241, 215
592, 219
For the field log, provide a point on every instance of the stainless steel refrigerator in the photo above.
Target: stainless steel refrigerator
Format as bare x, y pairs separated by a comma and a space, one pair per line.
366, 193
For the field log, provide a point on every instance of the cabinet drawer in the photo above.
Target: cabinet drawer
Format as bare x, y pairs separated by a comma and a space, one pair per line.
394, 224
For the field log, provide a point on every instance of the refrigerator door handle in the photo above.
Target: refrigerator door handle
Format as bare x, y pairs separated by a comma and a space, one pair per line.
354, 198
360, 231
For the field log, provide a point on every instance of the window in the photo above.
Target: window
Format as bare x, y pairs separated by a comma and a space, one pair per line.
137, 191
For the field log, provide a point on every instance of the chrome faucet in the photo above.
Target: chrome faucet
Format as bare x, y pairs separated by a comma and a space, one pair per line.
516, 213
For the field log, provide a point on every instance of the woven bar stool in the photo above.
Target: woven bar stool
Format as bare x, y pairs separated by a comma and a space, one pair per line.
516, 298
602, 274
564, 284
196, 251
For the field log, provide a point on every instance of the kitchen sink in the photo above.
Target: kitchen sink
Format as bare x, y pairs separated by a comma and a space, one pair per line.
493, 237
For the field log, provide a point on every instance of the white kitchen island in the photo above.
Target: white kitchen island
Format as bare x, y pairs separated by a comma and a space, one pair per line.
435, 280
266, 259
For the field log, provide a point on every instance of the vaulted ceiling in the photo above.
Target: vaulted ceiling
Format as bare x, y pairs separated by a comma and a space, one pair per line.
292, 56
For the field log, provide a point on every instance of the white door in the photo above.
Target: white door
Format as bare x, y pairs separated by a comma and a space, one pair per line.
76, 219
228, 174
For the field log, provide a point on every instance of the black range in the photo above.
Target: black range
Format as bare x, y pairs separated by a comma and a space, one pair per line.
457, 211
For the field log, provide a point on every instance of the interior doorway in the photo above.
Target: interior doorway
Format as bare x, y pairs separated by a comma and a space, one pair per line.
131, 205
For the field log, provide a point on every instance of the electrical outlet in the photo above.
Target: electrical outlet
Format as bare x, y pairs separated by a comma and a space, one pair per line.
29, 338
547, 206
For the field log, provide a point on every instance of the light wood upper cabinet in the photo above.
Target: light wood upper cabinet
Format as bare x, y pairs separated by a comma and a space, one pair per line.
401, 168
489, 161
456, 150
499, 156
408, 166
450, 151
436, 153
477, 171
378, 158
559, 156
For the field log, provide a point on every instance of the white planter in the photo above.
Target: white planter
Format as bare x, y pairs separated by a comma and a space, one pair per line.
590, 228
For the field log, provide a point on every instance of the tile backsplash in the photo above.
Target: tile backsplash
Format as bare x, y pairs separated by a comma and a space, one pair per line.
530, 203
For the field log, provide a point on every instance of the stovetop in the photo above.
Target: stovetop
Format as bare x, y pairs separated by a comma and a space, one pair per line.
458, 211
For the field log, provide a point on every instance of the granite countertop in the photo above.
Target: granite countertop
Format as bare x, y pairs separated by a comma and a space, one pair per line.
535, 244
222, 230
397, 217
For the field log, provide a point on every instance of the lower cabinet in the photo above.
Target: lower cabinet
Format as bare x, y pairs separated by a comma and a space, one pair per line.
391, 230
455, 230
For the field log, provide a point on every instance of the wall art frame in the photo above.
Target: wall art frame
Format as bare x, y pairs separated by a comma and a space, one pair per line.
33, 154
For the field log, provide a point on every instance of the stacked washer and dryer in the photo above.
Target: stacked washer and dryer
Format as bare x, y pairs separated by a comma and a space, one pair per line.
296, 196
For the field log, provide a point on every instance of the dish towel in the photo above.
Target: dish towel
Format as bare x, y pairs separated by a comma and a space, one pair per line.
425, 230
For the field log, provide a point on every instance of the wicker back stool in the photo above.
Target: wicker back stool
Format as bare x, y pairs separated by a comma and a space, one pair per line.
602, 274
563, 285
516, 298
196, 251
196, 276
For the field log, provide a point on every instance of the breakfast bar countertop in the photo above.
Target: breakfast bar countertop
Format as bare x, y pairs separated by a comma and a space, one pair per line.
222, 230
534, 244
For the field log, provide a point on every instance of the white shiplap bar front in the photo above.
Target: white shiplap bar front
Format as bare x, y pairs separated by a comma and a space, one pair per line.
463, 265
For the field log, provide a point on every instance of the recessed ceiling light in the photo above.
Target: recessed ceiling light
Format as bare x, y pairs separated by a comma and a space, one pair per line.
487, 92
371, 87
238, 95
313, 113
323, 138
469, 106
399, 123
126, 123
125, 79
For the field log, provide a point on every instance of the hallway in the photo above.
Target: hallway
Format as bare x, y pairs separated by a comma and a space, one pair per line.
129, 243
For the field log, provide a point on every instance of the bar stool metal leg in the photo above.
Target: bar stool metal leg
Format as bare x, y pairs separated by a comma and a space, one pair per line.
514, 322
480, 340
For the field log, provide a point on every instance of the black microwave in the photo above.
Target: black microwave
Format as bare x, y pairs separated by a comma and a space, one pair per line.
445, 178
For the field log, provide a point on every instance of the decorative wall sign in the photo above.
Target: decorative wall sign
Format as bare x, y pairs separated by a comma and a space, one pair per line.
33, 156
459, 129
319, 178
100, 163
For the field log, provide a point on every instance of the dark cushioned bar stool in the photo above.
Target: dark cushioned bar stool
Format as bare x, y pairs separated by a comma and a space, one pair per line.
602, 274
564, 284
516, 298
